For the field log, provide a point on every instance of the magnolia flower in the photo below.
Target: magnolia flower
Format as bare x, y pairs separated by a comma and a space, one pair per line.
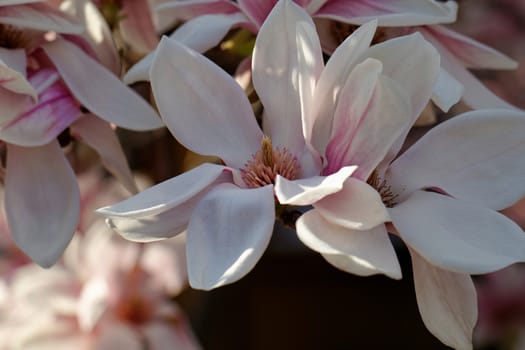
289, 78
42, 88
208, 21
442, 195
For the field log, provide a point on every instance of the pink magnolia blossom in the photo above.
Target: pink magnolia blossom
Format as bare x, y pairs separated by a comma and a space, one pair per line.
42, 88
442, 195
208, 21
230, 225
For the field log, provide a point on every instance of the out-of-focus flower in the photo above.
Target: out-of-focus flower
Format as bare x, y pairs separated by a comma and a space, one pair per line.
442, 195
208, 21
46, 80
106, 293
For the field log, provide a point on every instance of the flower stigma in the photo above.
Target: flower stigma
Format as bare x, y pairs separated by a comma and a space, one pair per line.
383, 188
269, 162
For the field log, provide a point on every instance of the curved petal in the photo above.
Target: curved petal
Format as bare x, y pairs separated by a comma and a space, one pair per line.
168, 194
363, 253
456, 235
372, 112
40, 16
137, 27
477, 157
187, 10
257, 10
105, 95
285, 72
13, 72
472, 53
40, 123
186, 85
414, 64
446, 301
102, 138
310, 190
42, 201
358, 206
318, 126
228, 233
390, 12
447, 91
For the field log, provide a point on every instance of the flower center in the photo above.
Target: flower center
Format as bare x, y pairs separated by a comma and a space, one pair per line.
13, 38
267, 163
340, 31
383, 188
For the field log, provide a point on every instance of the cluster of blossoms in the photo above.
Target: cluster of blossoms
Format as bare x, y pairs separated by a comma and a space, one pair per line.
319, 144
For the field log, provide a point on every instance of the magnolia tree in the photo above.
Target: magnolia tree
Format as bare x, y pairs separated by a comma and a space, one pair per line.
313, 130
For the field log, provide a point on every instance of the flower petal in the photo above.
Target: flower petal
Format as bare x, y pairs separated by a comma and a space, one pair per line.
189, 9
228, 233
477, 157
102, 138
40, 16
285, 72
309, 190
42, 201
185, 86
318, 125
390, 12
446, 301
456, 235
361, 252
447, 91
168, 194
362, 135
105, 95
13, 72
358, 206
257, 10
137, 27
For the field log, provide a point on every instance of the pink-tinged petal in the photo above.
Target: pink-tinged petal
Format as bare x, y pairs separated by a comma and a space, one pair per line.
228, 233
257, 10
318, 125
475, 94
477, 157
200, 34
372, 112
119, 335
363, 253
457, 235
12, 105
97, 36
168, 194
285, 72
137, 27
414, 64
185, 86
40, 123
92, 302
99, 135
357, 206
17, 2
187, 10
447, 91
42, 201
446, 301
40, 16
309, 190
13, 72
472, 53
105, 95
390, 12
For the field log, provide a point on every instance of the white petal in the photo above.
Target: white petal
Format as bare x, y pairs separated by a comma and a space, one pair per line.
363, 253
456, 235
136, 26
446, 301
285, 72
13, 72
42, 201
390, 12
102, 138
309, 190
447, 91
105, 95
185, 86
228, 233
357, 206
477, 157
168, 194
